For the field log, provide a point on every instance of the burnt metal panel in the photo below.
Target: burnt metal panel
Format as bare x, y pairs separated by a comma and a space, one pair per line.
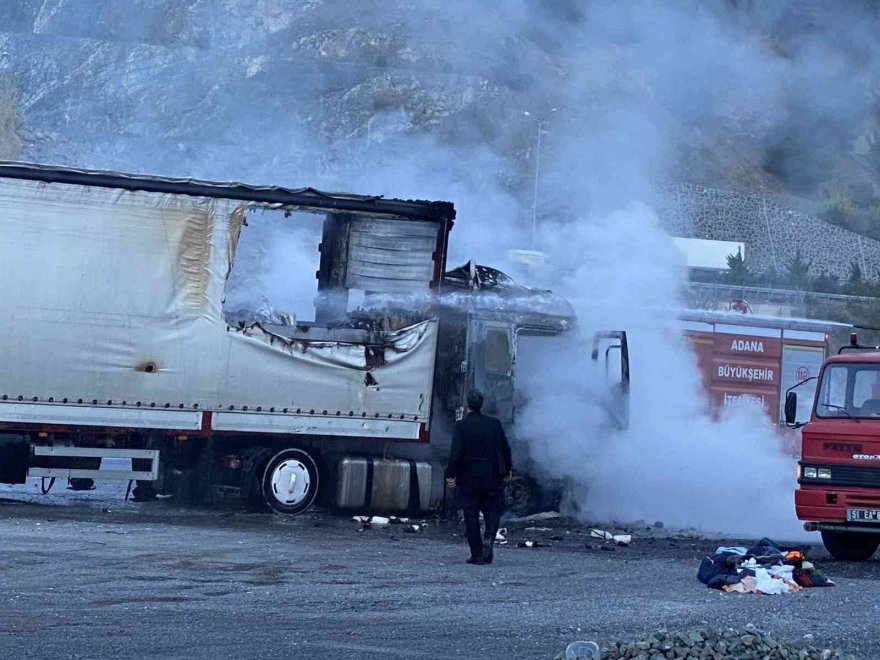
386, 256
307, 199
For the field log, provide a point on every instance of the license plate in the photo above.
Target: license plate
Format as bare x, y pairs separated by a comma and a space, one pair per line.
863, 515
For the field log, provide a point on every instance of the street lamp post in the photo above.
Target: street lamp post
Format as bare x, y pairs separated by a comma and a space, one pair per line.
540, 125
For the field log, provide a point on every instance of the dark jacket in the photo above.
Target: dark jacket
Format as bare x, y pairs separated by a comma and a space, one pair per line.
480, 453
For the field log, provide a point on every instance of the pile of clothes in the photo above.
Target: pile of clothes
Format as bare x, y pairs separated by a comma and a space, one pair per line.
766, 568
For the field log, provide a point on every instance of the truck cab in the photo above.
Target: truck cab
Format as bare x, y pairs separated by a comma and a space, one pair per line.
839, 471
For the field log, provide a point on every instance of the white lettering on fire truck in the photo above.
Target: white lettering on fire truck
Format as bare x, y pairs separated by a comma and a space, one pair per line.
747, 346
744, 399
866, 457
744, 373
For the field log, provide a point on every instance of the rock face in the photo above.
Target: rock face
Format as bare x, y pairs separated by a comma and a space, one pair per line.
773, 234
296, 91
10, 144
228, 88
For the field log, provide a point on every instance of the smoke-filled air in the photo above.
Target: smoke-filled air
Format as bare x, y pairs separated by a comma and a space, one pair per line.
550, 125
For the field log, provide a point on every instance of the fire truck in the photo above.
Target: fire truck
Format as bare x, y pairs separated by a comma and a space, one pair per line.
838, 490
750, 360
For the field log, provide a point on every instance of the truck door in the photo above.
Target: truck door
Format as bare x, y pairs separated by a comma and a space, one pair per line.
491, 363
611, 355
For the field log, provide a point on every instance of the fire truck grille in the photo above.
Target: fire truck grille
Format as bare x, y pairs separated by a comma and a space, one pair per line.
841, 475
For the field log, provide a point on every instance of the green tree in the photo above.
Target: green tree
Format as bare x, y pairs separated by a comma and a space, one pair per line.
737, 271
797, 271
826, 283
855, 273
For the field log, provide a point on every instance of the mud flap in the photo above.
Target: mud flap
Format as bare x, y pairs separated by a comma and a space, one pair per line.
14, 455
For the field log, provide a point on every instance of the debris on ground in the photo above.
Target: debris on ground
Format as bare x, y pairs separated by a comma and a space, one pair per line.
619, 539
765, 568
415, 529
582, 651
746, 644
368, 521
543, 515
530, 544
539, 529
501, 536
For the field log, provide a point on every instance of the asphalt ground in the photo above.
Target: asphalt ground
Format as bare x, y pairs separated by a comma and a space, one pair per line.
88, 575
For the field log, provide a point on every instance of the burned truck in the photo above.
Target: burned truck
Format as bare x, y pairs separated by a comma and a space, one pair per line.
122, 360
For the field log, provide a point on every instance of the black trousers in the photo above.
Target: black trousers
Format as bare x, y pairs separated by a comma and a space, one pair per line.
486, 499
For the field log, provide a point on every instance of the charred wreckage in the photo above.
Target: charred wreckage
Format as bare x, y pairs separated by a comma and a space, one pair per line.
116, 343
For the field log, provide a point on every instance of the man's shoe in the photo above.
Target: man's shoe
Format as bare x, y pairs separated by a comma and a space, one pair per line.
487, 557
475, 560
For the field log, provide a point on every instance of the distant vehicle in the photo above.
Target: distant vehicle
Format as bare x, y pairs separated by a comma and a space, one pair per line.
838, 490
116, 344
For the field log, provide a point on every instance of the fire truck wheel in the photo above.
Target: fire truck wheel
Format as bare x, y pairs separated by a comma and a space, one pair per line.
850, 546
290, 482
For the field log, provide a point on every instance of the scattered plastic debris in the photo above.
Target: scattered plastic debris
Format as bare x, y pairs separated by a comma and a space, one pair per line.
368, 521
530, 544
539, 529
582, 651
501, 536
619, 539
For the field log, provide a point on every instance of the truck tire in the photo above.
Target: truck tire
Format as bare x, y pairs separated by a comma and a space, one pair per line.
522, 495
290, 481
850, 546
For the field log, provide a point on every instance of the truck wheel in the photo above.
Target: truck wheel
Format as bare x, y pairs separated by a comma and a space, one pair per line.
850, 546
522, 495
290, 482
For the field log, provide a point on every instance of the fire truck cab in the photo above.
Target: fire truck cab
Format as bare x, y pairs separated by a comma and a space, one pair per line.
838, 490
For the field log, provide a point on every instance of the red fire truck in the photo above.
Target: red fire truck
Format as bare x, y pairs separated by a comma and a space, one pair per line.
839, 472
749, 359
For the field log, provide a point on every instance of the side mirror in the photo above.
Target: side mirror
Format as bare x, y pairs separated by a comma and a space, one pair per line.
791, 408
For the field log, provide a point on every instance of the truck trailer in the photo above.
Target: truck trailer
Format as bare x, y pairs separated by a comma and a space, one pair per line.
116, 344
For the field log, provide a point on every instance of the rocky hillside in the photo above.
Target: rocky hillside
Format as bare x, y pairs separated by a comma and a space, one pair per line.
772, 98
10, 144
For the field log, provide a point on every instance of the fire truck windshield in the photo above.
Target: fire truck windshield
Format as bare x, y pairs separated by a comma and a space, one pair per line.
849, 390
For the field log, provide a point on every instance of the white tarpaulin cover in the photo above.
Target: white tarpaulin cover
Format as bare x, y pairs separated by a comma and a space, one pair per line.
116, 296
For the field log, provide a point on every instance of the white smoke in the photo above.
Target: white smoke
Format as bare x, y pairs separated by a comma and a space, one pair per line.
643, 91
275, 264
674, 463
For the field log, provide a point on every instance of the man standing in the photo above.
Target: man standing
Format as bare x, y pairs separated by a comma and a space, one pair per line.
478, 463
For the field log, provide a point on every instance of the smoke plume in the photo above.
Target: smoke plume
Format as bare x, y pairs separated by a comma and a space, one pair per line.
558, 116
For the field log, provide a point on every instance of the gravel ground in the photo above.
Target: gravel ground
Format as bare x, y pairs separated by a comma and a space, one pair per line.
86, 575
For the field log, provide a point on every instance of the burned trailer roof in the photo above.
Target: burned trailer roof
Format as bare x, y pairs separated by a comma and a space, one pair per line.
299, 198
489, 293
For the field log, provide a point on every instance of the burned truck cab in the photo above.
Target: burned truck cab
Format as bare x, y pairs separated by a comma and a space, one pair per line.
486, 312
486, 318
